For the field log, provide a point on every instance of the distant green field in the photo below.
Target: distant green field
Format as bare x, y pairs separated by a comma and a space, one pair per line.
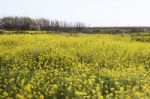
79, 66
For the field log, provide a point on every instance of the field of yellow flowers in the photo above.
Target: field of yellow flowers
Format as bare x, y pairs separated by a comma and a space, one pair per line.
80, 66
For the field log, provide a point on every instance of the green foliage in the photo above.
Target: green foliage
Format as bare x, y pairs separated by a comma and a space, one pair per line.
143, 37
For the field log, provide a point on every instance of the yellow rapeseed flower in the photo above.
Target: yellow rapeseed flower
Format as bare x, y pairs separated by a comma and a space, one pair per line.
28, 88
18, 96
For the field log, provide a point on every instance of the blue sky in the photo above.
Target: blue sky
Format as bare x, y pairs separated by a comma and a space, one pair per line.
93, 12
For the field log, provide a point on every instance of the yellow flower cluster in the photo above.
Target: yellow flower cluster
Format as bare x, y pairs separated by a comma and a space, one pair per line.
63, 66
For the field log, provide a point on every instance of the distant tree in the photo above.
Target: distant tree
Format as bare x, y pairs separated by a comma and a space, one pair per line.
79, 27
136, 29
1, 24
44, 24
27, 23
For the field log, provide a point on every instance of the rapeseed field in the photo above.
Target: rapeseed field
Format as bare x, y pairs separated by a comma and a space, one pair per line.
77, 66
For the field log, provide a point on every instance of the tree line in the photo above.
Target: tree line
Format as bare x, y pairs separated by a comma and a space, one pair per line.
41, 24
27, 23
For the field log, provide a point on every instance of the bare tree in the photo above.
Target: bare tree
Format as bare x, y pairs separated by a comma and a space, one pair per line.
27, 23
